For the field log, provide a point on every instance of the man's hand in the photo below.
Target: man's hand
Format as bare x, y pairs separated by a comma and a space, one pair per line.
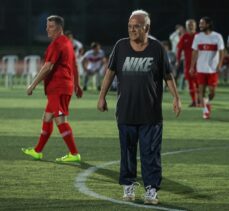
102, 105
192, 71
78, 91
177, 106
218, 68
30, 89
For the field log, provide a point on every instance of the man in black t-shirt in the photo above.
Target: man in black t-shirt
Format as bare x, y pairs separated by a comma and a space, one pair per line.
140, 64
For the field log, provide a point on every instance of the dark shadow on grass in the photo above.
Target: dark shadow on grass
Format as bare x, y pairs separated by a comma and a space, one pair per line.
218, 119
111, 174
220, 115
178, 188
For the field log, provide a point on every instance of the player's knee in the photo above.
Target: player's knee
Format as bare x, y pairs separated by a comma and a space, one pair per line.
47, 117
60, 119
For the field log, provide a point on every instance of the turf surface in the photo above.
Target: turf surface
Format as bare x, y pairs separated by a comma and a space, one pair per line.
192, 180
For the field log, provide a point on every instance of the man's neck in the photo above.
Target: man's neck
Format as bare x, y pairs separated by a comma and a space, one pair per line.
139, 45
207, 32
57, 35
192, 32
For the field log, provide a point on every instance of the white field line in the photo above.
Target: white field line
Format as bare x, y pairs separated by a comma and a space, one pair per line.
80, 182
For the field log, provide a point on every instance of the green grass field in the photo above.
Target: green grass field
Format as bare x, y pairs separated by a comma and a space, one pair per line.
195, 157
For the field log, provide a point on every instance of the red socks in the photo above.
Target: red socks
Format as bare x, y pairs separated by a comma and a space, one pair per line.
66, 133
193, 96
46, 131
192, 90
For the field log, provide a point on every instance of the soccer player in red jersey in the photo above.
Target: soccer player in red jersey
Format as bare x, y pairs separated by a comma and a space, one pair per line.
61, 78
208, 53
185, 45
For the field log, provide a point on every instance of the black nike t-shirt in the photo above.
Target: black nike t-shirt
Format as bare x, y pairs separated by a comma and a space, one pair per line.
140, 81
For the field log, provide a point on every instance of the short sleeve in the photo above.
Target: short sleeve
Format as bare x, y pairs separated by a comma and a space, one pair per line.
195, 43
53, 53
220, 43
165, 64
112, 63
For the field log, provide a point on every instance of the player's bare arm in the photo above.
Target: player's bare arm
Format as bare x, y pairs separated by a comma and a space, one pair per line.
78, 90
109, 77
46, 68
193, 62
221, 56
172, 88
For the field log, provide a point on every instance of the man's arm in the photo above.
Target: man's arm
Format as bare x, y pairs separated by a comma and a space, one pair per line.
109, 77
221, 56
77, 88
45, 69
172, 88
84, 64
193, 61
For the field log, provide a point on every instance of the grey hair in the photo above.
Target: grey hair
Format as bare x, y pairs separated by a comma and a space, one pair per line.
143, 13
189, 20
57, 19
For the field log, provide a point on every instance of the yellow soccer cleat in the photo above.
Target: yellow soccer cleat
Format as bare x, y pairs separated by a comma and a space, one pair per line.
69, 158
32, 153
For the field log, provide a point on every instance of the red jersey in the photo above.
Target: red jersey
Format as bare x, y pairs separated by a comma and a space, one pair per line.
60, 80
185, 44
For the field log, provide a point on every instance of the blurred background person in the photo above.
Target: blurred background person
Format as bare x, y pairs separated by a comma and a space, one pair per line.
79, 50
171, 55
225, 68
175, 37
94, 62
207, 54
185, 45
77, 45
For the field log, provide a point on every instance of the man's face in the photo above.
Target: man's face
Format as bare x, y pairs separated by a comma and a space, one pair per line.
137, 28
96, 50
52, 29
203, 25
191, 26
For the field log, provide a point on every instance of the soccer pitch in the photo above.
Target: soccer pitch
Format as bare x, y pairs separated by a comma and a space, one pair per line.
195, 157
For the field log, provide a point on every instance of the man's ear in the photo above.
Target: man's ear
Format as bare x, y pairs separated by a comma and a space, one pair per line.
147, 28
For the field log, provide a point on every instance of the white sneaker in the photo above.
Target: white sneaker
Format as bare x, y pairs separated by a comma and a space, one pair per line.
151, 196
129, 192
206, 113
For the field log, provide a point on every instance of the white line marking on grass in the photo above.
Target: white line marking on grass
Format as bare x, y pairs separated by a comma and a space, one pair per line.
81, 179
